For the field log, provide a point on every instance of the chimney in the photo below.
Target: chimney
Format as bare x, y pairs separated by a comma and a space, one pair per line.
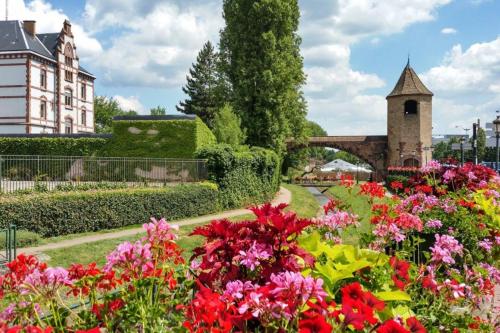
67, 27
30, 27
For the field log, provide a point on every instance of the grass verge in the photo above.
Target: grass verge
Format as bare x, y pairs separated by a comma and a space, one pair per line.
359, 205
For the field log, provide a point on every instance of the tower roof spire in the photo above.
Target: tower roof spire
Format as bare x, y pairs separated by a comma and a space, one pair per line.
409, 83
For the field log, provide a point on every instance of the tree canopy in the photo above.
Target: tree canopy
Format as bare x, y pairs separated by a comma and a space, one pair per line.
260, 48
105, 109
227, 127
205, 87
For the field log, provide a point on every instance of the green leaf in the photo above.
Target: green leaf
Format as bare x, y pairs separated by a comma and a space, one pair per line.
397, 295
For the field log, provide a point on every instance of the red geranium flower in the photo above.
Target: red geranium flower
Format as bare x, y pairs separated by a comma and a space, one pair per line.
374, 190
314, 323
415, 326
395, 185
391, 326
352, 292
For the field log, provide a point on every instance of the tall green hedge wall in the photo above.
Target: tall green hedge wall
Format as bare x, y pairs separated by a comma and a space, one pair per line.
158, 138
131, 138
53, 214
246, 176
51, 146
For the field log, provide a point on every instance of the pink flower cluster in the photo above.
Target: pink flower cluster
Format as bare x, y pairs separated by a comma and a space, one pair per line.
46, 281
432, 166
280, 298
389, 231
159, 231
295, 285
131, 257
338, 220
445, 248
254, 255
434, 224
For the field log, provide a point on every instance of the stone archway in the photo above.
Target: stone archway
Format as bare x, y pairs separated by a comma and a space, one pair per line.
371, 149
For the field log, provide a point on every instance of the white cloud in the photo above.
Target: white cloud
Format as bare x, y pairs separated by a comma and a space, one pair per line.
158, 42
50, 19
466, 84
474, 70
131, 103
448, 31
338, 94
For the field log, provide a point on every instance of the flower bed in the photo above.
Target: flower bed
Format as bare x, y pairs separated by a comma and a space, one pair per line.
280, 273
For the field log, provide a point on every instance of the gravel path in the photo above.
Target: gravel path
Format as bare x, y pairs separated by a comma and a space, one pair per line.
283, 196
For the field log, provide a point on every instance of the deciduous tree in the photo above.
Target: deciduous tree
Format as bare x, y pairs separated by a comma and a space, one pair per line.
260, 44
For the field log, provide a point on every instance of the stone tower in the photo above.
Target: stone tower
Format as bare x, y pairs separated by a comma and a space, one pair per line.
409, 121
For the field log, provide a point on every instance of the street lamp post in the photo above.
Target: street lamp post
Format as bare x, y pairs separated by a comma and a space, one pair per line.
496, 128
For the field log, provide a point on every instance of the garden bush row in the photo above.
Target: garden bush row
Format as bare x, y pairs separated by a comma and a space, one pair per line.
57, 146
54, 214
244, 175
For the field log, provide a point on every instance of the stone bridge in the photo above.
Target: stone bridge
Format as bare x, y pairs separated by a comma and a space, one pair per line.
371, 149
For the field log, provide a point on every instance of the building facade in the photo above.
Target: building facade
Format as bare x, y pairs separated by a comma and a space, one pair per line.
409, 121
43, 88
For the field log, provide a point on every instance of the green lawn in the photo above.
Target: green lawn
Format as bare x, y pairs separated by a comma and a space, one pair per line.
359, 205
303, 203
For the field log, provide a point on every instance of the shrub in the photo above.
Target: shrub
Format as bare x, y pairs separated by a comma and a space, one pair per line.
397, 178
24, 238
244, 177
51, 146
54, 214
158, 138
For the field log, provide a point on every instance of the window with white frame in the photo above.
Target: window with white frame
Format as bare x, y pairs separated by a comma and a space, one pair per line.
68, 126
43, 78
84, 117
68, 98
43, 109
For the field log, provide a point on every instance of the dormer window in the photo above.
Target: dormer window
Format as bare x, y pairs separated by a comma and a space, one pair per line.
411, 107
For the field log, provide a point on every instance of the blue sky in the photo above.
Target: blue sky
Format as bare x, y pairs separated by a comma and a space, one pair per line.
354, 51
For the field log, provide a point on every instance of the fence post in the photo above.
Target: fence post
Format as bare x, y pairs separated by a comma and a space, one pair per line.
1, 174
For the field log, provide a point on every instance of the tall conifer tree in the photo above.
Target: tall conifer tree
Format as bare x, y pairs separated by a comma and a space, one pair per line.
204, 87
261, 48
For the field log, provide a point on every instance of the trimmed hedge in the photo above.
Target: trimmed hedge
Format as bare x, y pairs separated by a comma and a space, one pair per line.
51, 146
54, 214
158, 138
244, 177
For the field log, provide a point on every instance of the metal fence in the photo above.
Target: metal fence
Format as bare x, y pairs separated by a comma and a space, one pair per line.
7, 245
20, 173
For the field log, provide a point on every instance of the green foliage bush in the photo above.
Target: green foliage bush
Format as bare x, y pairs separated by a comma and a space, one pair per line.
51, 146
24, 238
245, 176
57, 213
397, 178
158, 138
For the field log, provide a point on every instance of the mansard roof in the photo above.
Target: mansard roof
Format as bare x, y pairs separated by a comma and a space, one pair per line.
409, 84
13, 38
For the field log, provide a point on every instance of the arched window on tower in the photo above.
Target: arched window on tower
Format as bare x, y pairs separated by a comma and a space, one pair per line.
411, 107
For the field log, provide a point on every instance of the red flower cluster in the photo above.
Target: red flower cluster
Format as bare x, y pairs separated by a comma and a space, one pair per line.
358, 307
401, 277
347, 180
395, 185
392, 326
374, 190
269, 240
